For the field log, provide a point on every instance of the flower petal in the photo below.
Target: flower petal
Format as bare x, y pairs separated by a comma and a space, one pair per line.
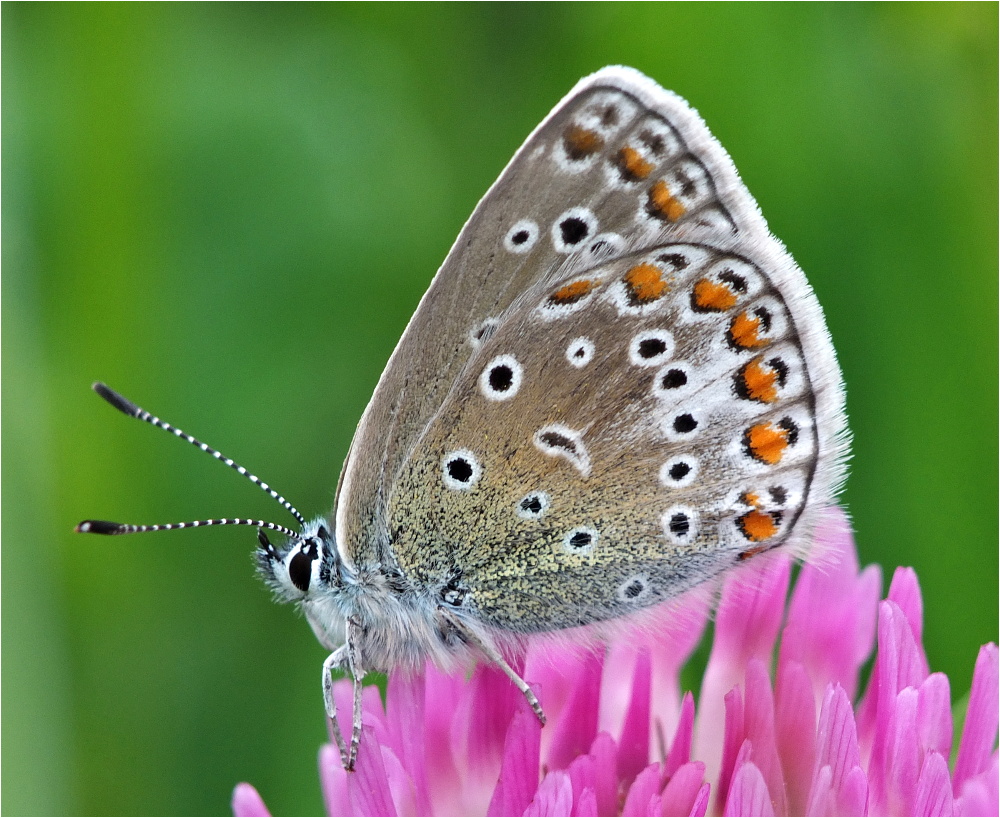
748, 793
700, 807
934, 714
646, 786
897, 665
605, 753
795, 731
680, 796
368, 785
837, 756
401, 789
576, 727
405, 695
904, 590
247, 802
554, 796
680, 748
893, 789
519, 769
980, 795
759, 729
731, 745
443, 693
481, 720
933, 796
833, 610
586, 803
747, 621
633, 746
583, 775
853, 796
333, 781
683, 626
821, 796
980, 731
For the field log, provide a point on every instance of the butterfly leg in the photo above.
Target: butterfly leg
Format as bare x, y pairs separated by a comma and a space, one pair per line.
490, 651
335, 661
358, 675
344, 658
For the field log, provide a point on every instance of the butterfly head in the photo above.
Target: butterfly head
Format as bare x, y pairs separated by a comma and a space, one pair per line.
306, 565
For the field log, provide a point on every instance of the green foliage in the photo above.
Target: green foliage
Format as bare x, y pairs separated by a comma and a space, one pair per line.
228, 212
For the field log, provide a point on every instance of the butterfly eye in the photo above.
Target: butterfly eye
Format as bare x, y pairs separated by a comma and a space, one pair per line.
300, 567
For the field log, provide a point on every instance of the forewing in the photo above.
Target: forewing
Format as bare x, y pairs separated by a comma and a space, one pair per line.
599, 229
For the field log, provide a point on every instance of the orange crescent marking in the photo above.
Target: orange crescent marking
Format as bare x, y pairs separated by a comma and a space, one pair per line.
646, 282
767, 442
760, 381
744, 329
664, 203
758, 525
581, 143
572, 292
713, 295
631, 161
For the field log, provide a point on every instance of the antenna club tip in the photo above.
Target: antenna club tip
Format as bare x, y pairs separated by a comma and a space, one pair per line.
121, 403
98, 527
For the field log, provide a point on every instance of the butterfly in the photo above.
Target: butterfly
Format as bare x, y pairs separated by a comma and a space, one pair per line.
618, 387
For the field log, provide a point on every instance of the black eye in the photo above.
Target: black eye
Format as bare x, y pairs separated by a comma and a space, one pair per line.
300, 568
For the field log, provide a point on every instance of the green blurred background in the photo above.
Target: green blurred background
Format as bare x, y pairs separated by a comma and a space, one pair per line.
229, 212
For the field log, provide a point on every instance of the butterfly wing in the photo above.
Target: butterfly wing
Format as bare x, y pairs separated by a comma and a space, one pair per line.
610, 391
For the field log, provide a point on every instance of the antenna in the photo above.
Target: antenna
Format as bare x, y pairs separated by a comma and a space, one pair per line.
124, 405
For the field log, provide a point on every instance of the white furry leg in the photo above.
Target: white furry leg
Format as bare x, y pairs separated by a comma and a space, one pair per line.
345, 658
335, 661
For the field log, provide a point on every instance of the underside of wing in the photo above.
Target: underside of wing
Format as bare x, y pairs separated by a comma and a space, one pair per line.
619, 173
633, 430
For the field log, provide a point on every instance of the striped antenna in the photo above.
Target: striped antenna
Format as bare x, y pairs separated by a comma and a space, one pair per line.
107, 527
123, 404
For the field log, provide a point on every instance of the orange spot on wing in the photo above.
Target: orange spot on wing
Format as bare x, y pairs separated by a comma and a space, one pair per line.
758, 382
758, 525
751, 552
713, 296
632, 165
581, 143
751, 498
572, 292
766, 442
743, 331
663, 204
645, 283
